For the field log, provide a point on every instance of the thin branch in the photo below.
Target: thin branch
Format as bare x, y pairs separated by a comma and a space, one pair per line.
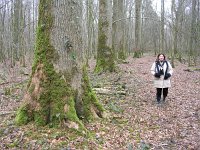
134, 18
2, 113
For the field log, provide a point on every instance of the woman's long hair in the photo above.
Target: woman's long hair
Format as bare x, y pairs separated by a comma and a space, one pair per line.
157, 59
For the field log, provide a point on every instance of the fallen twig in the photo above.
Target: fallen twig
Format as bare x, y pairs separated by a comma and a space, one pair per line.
6, 112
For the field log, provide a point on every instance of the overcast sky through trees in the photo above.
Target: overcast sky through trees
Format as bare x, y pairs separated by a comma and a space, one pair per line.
157, 5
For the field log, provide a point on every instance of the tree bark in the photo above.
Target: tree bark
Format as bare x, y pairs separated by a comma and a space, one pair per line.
138, 4
193, 35
105, 55
174, 31
2, 27
58, 92
118, 29
162, 26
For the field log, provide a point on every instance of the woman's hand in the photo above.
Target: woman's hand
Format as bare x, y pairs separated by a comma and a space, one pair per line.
157, 75
167, 75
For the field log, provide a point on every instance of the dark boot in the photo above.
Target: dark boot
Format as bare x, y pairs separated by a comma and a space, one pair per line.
158, 95
158, 99
165, 92
164, 98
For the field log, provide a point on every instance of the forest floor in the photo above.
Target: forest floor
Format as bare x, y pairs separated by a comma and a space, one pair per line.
135, 121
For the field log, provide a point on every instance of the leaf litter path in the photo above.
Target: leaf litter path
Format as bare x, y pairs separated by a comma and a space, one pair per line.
135, 121
143, 124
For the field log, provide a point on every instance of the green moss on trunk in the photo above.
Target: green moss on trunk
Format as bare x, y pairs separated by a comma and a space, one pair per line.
90, 100
22, 116
50, 98
55, 93
121, 54
138, 54
105, 56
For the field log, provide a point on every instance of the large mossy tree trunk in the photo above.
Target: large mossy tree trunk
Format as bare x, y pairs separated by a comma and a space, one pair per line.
105, 55
58, 93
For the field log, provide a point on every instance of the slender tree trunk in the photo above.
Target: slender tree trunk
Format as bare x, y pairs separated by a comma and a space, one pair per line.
118, 29
128, 34
138, 4
90, 30
105, 56
2, 27
193, 33
162, 26
179, 29
198, 28
174, 33
22, 52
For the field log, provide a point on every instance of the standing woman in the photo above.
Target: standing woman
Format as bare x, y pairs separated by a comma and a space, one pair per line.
162, 71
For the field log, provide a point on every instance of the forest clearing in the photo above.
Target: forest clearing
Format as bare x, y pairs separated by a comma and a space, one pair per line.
135, 120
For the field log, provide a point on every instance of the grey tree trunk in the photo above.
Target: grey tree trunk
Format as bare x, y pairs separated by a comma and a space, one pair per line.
162, 47
138, 4
198, 27
193, 35
90, 28
2, 28
119, 29
105, 55
58, 92
17, 28
174, 32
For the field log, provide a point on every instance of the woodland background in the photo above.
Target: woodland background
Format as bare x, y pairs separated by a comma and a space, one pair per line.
118, 40
136, 25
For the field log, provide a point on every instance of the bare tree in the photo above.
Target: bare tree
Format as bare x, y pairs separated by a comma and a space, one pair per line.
162, 47
17, 29
174, 32
2, 28
150, 27
90, 27
138, 4
105, 56
193, 34
119, 28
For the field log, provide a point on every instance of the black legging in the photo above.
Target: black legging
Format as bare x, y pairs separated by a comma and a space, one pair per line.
159, 92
